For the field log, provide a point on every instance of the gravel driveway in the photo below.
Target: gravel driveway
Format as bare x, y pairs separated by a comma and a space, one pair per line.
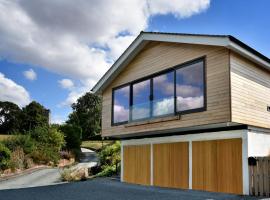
107, 189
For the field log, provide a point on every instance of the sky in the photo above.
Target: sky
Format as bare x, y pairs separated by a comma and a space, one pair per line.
53, 51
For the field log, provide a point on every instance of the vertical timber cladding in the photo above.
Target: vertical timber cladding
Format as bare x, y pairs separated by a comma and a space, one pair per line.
217, 166
171, 165
137, 162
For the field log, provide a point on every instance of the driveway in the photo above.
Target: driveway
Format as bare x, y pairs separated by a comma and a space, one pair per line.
108, 189
37, 178
49, 176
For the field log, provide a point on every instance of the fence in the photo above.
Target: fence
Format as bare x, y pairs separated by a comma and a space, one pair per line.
259, 176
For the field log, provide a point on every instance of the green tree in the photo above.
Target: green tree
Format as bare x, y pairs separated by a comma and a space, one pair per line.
34, 115
73, 136
10, 117
87, 115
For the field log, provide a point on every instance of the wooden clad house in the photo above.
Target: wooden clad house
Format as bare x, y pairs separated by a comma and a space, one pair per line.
189, 110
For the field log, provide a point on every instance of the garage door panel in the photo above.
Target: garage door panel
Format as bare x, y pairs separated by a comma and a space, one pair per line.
204, 162
229, 166
217, 165
170, 165
137, 164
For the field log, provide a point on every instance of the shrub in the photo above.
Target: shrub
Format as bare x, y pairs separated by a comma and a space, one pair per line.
49, 143
45, 155
107, 170
23, 141
73, 135
4, 156
74, 174
28, 162
17, 159
48, 136
110, 158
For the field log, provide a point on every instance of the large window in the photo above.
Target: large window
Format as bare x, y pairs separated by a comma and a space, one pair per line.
180, 89
163, 94
190, 87
141, 105
121, 105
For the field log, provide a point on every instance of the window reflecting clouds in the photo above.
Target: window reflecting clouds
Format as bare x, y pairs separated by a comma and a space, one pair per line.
121, 105
163, 94
190, 87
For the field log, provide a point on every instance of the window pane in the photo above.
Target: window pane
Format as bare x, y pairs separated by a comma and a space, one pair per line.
163, 93
121, 105
141, 102
190, 87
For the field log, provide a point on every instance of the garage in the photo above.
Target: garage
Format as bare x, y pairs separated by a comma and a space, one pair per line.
210, 165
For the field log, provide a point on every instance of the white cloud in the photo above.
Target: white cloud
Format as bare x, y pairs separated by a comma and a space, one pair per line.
190, 102
66, 83
79, 39
11, 91
57, 119
120, 113
30, 75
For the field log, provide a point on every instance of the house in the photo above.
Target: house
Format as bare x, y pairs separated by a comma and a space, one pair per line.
189, 110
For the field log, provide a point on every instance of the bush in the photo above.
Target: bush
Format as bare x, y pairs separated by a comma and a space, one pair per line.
28, 162
49, 137
74, 174
107, 170
23, 141
45, 155
17, 159
4, 156
73, 135
49, 143
109, 158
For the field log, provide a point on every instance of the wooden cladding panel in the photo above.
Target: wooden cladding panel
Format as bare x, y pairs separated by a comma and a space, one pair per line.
158, 56
137, 164
250, 92
170, 165
217, 166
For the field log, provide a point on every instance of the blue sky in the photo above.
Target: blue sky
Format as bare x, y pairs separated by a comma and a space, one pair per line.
80, 49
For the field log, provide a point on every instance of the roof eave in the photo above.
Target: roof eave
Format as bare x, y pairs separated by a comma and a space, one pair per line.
144, 37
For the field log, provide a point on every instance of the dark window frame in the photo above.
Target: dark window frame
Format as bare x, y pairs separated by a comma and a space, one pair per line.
112, 107
187, 64
150, 77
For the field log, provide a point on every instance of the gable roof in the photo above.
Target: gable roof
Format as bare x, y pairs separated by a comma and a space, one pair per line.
144, 38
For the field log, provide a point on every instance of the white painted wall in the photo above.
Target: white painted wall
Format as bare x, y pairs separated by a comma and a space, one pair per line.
196, 137
258, 144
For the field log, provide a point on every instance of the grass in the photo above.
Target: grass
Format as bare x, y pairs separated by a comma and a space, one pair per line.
95, 145
3, 137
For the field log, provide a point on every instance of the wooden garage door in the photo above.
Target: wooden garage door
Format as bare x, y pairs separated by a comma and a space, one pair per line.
217, 166
137, 164
170, 165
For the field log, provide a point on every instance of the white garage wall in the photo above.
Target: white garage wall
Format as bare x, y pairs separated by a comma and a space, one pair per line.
258, 144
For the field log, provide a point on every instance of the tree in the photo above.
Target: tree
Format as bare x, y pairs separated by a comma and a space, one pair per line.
34, 115
10, 117
73, 136
87, 115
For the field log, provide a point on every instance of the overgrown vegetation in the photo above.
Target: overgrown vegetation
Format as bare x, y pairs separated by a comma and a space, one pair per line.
109, 159
41, 145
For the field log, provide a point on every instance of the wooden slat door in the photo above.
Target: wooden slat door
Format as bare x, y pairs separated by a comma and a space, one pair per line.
170, 165
217, 166
137, 161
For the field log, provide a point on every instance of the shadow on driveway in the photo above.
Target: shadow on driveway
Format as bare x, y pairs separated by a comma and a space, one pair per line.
98, 189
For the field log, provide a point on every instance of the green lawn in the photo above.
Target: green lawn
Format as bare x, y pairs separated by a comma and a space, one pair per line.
3, 137
95, 145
